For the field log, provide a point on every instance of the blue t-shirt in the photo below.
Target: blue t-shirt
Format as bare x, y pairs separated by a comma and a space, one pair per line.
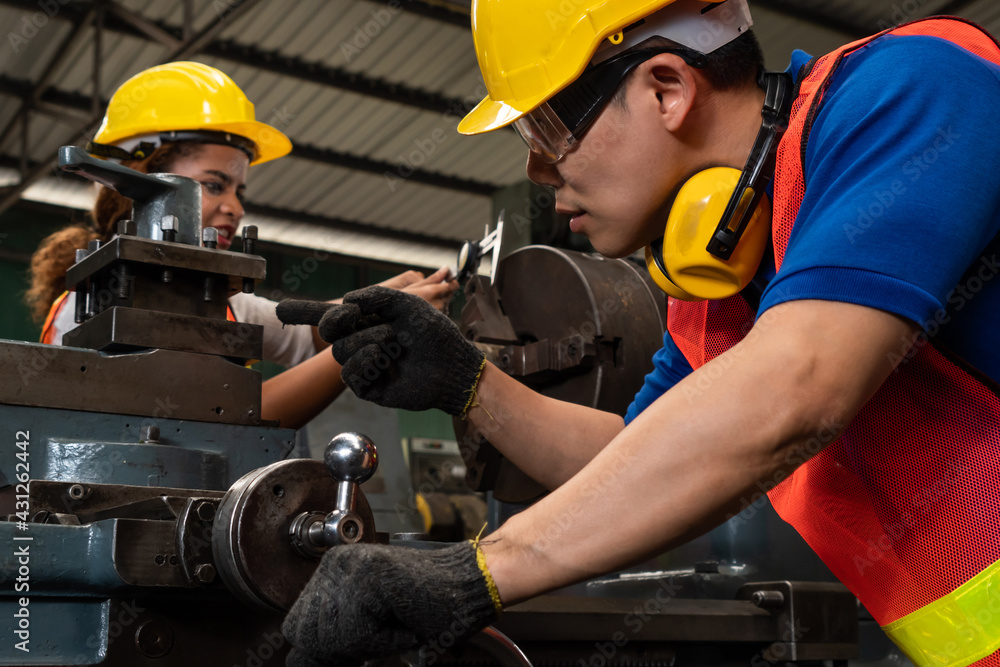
902, 203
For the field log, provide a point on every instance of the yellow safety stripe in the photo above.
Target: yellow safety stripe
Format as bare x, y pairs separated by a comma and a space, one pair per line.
956, 630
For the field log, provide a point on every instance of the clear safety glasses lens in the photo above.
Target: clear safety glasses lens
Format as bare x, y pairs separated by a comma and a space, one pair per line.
545, 134
554, 128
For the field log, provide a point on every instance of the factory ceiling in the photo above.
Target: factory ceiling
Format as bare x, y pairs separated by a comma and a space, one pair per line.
369, 92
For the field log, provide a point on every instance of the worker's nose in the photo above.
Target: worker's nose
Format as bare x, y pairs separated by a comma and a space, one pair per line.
541, 172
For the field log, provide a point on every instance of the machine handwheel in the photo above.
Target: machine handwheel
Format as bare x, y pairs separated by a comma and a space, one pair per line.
251, 537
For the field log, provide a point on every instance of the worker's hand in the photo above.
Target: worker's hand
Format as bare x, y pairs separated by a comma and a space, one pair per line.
369, 601
395, 349
436, 289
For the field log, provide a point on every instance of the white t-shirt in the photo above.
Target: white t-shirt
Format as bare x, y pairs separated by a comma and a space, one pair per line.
283, 345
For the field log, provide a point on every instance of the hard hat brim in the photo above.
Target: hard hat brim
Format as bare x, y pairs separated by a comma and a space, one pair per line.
489, 115
270, 142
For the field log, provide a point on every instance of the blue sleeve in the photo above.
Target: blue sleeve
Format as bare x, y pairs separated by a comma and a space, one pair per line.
901, 190
669, 368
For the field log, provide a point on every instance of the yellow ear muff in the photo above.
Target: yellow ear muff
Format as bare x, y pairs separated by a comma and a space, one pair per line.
687, 270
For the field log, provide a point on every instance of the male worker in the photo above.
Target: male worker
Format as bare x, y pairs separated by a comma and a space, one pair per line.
792, 339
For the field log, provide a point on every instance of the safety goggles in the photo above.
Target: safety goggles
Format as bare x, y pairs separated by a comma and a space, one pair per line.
552, 129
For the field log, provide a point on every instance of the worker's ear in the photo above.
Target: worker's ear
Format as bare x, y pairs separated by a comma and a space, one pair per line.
671, 81
718, 227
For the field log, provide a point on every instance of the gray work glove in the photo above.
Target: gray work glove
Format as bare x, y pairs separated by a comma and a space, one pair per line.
369, 601
395, 349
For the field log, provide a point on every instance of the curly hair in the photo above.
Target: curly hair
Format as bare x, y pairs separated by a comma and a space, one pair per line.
57, 252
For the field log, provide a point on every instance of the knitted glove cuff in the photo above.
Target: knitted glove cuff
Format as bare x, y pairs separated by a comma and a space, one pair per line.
467, 366
475, 595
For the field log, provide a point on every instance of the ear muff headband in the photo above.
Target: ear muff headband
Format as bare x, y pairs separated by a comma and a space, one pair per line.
703, 253
759, 170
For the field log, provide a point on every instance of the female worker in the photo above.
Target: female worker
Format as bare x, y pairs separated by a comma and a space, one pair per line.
191, 119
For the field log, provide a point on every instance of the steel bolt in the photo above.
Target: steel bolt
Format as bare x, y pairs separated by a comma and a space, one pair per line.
205, 573
205, 511
768, 599
351, 530
210, 237
169, 225
154, 639
123, 282
77, 492
250, 239
149, 434
208, 289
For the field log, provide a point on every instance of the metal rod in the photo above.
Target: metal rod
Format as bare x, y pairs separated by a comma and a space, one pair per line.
188, 27
95, 100
61, 53
145, 26
189, 47
24, 141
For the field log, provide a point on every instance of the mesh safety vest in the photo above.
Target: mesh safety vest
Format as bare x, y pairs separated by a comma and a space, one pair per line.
904, 507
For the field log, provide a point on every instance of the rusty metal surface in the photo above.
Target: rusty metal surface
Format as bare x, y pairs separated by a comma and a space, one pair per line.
807, 621
573, 326
121, 329
552, 294
167, 254
93, 502
250, 539
199, 387
145, 553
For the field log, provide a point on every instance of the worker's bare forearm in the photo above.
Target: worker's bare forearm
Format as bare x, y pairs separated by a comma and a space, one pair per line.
302, 392
684, 465
549, 440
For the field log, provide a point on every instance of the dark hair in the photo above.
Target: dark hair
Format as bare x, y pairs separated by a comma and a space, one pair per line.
57, 252
731, 67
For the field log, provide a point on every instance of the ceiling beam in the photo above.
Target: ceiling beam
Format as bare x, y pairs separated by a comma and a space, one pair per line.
438, 11
335, 77
390, 170
953, 8
236, 8
350, 226
31, 99
251, 56
78, 101
339, 224
821, 19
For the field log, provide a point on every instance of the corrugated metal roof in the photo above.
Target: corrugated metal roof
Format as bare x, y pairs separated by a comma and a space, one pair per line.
392, 48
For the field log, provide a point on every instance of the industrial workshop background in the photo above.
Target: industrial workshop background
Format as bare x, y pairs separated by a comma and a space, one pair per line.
370, 94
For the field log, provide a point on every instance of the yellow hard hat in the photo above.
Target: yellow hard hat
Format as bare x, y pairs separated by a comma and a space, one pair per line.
184, 98
529, 50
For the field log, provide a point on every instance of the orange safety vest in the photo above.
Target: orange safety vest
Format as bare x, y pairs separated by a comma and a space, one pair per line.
904, 507
49, 330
